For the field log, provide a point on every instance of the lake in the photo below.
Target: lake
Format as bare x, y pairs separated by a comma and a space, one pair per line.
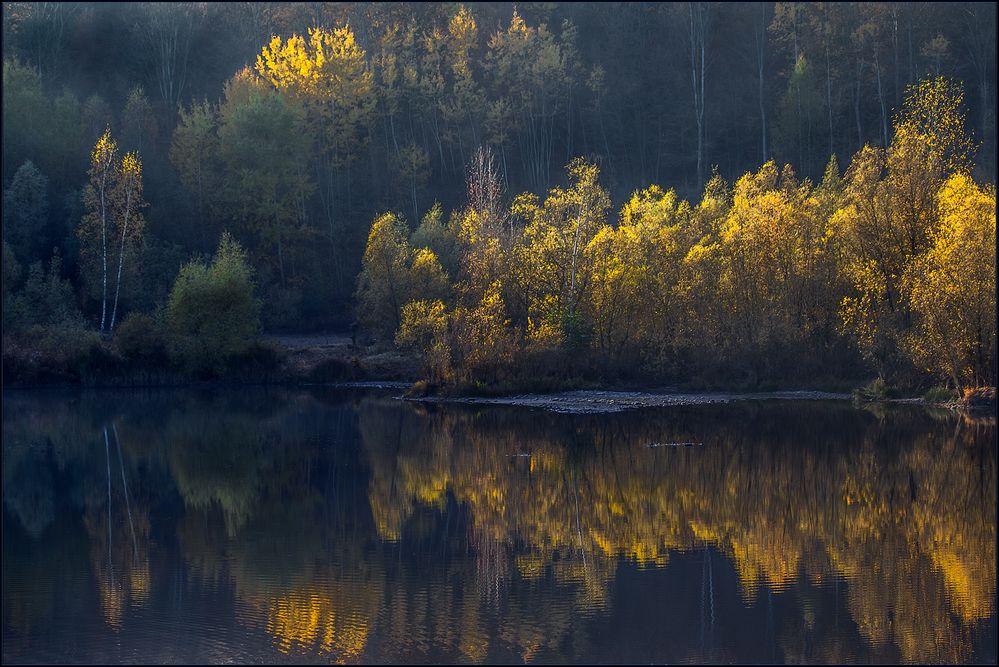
272, 525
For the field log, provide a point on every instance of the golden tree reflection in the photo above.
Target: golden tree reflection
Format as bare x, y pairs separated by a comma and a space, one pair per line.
483, 535
913, 533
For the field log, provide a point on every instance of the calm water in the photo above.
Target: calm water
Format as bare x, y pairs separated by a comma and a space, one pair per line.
274, 526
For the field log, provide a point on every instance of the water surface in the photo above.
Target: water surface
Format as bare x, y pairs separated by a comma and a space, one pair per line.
348, 526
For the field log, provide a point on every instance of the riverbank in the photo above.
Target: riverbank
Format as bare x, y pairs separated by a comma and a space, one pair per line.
336, 360
273, 359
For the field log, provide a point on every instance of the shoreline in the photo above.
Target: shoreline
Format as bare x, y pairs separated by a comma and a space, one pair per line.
605, 401
334, 361
575, 402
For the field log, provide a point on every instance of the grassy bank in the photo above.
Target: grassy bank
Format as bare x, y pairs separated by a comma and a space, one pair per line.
95, 362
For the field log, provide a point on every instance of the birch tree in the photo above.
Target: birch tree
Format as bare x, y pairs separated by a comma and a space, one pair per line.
128, 198
94, 227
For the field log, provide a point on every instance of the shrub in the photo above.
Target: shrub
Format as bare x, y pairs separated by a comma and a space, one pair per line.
940, 395
140, 339
211, 313
44, 315
259, 362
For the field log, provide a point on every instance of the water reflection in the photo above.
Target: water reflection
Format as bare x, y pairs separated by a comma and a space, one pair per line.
355, 527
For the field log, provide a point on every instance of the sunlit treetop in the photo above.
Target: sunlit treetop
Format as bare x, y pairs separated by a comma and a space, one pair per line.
104, 152
933, 111
464, 34
651, 203
131, 166
329, 64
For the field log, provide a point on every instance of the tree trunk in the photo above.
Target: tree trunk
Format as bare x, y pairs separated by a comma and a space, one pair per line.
697, 82
761, 40
104, 249
829, 96
856, 105
881, 99
121, 260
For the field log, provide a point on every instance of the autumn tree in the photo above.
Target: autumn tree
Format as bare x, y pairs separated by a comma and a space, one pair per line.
952, 288
326, 72
484, 228
635, 271
889, 210
128, 199
437, 234
96, 227
393, 275
528, 70
765, 245
551, 266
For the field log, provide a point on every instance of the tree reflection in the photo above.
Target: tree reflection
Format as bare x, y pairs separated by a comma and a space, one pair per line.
379, 530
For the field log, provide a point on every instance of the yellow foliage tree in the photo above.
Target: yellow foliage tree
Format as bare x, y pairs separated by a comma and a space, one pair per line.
635, 270
551, 266
94, 227
889, 211
112, 221
952, 289
393, 275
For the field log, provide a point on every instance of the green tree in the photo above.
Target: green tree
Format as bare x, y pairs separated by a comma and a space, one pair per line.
45, 312
11, 274
799, 115
262, 139
139, 126
24, 114
194, 153
211, 313
25, 212
382, 286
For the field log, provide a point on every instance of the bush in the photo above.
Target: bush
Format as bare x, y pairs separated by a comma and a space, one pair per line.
212, 314
44, 315
876, 390
99, 364
140, 339
940, 395
260, 362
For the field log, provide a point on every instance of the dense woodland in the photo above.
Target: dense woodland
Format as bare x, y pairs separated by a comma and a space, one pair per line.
746, 191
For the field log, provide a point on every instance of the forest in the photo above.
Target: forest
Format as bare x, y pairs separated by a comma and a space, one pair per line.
535, 194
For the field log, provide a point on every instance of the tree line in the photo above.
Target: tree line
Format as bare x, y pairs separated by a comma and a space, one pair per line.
886, 268
292, 125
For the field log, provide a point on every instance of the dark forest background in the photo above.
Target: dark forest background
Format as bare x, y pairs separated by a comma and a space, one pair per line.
652, 93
